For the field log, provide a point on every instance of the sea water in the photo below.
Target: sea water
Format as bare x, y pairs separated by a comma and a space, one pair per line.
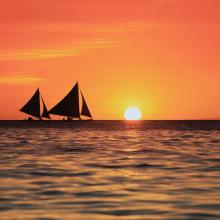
110, 170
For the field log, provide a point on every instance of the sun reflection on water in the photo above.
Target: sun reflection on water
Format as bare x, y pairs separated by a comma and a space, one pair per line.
104, 173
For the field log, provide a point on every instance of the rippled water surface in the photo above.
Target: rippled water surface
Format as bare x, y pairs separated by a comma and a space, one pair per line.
110, 170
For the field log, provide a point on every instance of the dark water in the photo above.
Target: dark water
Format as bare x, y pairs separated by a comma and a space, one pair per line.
110, 170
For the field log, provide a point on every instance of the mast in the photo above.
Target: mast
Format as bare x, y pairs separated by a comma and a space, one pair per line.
32, 107
69, 105
85, 110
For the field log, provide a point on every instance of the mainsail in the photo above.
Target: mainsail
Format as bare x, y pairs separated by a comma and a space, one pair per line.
33, 106
69, 106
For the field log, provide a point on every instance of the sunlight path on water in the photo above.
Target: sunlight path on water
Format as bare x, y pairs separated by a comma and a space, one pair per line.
110, 170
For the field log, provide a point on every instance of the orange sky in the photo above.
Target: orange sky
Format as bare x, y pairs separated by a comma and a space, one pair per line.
159, 55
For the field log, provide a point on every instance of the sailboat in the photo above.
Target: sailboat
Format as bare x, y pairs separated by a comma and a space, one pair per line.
33, 107
70, 107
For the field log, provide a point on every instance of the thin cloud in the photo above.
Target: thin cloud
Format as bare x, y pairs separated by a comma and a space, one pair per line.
114, 27
19, 79
105, 36
82, 47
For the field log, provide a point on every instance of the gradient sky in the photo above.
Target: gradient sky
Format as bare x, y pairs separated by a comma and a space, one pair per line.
159, 55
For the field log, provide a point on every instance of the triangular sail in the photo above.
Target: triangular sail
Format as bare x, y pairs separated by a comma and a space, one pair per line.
32, 107
85, 110
69, 106
45, 113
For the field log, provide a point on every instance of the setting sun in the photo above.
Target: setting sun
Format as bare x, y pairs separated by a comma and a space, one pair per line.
132, 113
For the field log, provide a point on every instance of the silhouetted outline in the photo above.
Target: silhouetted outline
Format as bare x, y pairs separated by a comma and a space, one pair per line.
32, 107
69, 106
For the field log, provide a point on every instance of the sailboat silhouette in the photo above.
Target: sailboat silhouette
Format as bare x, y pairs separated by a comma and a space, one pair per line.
33, 107
69, 106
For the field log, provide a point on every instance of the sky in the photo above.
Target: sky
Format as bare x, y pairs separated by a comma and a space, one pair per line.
159, 55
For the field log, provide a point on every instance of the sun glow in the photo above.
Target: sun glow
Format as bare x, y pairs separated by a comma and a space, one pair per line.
132, 113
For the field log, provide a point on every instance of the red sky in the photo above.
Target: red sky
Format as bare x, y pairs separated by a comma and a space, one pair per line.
159, 55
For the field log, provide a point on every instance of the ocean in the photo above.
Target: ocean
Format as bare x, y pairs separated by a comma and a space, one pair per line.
110, 170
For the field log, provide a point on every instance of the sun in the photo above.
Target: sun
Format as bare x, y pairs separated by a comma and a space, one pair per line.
132, 113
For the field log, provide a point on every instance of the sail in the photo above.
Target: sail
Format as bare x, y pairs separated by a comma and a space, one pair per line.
85, 110
32, 107
69, 105
45, 113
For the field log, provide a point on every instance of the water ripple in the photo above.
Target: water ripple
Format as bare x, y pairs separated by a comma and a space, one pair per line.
110, 170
